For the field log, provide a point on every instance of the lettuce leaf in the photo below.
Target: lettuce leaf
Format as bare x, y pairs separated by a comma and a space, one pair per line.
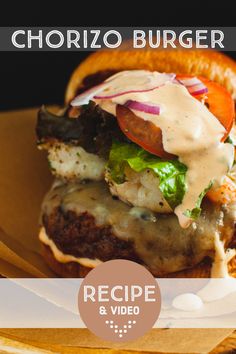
195, 212
171, 173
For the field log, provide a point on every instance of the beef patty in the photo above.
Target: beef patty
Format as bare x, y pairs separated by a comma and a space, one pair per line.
84, 220
78, 235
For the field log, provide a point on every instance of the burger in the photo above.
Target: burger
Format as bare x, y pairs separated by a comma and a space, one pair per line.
143, 159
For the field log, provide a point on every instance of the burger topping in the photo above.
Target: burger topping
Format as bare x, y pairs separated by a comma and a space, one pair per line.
218, 100
143, 107
142, 132
93, 129
171, 173
172, 133
74, 163
189, 130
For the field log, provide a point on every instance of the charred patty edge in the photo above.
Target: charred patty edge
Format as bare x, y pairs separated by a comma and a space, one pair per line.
79, 236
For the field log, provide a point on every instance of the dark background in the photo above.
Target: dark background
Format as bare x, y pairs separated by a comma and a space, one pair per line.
30, 79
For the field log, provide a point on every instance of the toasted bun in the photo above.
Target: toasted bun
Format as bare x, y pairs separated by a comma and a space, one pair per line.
75, 270
213, 65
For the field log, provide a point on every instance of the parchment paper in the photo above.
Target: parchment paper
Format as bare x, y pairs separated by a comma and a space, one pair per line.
24, 179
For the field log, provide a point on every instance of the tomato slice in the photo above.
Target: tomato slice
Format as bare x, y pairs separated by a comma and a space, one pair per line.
149, 136
218, 101
142, 132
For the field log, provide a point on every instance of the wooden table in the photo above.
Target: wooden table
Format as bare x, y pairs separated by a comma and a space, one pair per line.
227, 346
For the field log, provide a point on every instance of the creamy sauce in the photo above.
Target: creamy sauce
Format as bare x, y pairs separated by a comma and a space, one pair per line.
225, 284
66, 258
189, 131
223, 256
159, 241
220, 265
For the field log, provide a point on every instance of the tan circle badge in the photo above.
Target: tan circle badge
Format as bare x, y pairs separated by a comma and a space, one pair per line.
119, 300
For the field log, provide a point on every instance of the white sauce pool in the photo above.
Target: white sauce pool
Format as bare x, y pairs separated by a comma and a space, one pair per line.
187, 302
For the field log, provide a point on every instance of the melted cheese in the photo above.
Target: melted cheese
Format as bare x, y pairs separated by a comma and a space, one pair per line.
158, 240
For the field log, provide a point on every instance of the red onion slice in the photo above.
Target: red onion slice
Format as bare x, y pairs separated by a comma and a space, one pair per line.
88, 95
194, 85
143, 107
197, 89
